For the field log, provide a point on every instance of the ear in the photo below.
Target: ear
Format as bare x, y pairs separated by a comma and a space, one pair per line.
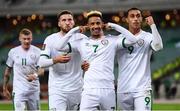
73, 22
19, 38
127, 20
103, 25
142, 18
59, 24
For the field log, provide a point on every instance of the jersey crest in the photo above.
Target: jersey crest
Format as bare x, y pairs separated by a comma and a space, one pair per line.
140, 42
33, 57
105, 42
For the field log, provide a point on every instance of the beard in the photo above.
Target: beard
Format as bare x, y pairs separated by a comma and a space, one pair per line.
66, 29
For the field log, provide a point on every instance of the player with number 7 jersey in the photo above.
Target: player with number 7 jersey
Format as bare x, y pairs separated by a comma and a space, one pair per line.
99, 50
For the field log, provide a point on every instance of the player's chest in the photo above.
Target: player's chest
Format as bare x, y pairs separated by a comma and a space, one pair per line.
138, 48
96, 46
24, 59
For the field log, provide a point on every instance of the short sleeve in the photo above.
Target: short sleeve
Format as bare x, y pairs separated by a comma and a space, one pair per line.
10, 60
45, 51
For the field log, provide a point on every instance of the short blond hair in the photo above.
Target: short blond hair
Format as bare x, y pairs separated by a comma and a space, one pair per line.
94, 13
25, 31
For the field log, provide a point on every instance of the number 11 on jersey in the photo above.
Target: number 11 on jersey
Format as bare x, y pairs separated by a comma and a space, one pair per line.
23, 61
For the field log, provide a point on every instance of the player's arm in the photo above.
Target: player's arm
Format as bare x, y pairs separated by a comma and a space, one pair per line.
46, 61
61, 45
156, 43
7, 73
130, 38
64, 44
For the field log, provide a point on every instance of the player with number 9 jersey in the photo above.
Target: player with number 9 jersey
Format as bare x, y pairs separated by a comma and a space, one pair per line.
134, 91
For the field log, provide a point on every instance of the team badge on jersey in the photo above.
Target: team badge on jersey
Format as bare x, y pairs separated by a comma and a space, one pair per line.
43, 47
87, 44
33, 57
140, 42
105, 42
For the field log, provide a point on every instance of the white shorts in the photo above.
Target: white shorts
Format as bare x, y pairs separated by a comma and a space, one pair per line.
26, 101
64, 101
139, 101
98, 99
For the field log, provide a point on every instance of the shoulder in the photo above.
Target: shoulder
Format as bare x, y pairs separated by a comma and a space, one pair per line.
17, 48
145, 33
35, 48
49, 41
78, 36
109, 36
51, 37
14, 50
112, 37
121, 35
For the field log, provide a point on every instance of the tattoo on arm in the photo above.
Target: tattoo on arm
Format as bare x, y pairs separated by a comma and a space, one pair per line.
7, 73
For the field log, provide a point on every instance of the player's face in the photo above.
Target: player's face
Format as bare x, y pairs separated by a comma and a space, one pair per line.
134, 19
66, 22
25, 40
95, 25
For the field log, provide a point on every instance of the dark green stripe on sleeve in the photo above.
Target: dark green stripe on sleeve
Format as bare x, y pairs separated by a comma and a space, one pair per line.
45, 55
70, 49
123, 43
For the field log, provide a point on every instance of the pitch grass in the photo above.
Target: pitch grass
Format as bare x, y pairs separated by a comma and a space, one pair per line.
159, 106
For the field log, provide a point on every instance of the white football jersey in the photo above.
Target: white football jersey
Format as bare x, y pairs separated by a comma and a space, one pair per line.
63, 77
24, 63
100, 54
134, 65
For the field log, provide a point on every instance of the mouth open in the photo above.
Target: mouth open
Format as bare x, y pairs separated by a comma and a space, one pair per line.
96, 30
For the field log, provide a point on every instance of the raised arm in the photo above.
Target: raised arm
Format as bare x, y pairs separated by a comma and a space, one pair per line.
156, 43
128, 35
62, 45
59, 45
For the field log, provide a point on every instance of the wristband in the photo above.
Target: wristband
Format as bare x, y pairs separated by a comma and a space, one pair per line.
36, 75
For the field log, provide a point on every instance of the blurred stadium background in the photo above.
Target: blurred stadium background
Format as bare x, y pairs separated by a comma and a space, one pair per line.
40, 17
